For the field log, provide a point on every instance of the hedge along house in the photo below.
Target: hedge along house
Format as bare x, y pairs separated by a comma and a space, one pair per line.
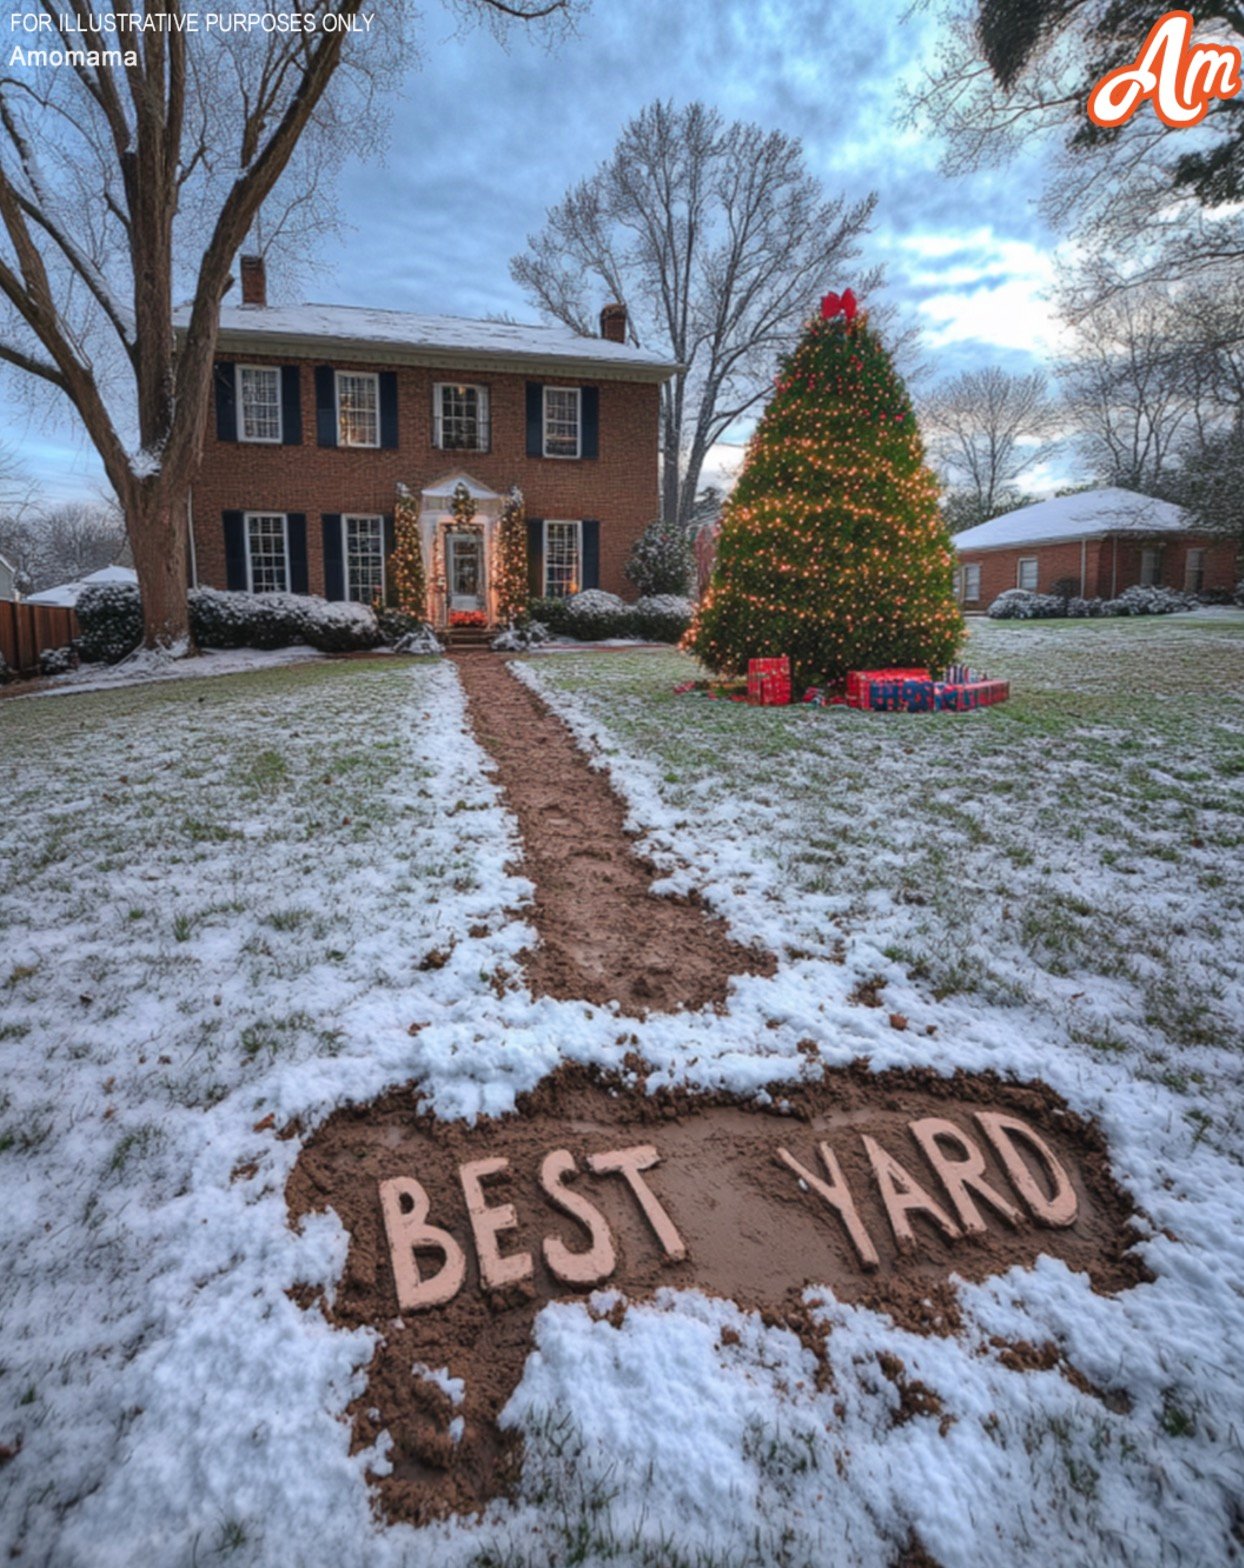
1092, 545
326, 415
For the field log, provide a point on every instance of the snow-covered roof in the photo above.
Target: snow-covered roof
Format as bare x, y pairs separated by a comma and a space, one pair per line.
399, 337
66, 594
1090, 515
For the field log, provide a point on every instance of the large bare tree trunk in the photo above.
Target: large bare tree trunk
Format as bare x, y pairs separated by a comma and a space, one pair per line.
157, 522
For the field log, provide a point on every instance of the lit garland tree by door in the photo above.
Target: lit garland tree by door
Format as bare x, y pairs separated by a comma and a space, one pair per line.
510, 570
832, 547
406, 571
462, 506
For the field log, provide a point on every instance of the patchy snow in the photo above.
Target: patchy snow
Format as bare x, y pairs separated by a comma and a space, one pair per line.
1090, 514
349, 325
215, 904
145, 665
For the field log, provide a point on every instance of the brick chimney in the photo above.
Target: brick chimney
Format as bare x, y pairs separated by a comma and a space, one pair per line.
254, 281
613, 323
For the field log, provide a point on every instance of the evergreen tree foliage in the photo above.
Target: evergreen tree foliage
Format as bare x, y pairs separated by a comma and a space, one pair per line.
510, 570
660, 559
407, 577
832, 547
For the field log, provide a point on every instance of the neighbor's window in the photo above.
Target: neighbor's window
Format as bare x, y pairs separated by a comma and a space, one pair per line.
358, 408
971, 584
561, 421
1027, 576
364, 555
267, 552
563, 555
1194, 571
1150, 566
461, 418
259, 399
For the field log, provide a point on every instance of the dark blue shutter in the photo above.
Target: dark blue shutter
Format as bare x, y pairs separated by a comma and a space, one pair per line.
226, 402
589, 422
291, 405
296, 528
388, 409
334, 566
591, 552
535, 419
325, 405
390, 544
535, 556
235, 552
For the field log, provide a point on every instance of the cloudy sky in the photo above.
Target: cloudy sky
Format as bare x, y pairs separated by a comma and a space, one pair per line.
485, 138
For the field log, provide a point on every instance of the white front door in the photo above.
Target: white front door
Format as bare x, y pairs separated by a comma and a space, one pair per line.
464, 569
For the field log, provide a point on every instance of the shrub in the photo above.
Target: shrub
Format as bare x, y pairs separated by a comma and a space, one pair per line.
110, 622
6, 674
1018, 604
1238, 596
1149, 601
57, 661
220, 620
589, 616
661, 617
337, 626
660, 560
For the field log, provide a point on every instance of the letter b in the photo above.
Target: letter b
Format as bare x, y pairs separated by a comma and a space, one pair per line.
409, 1233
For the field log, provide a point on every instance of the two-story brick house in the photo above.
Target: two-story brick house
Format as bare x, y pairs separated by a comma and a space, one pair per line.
324, 415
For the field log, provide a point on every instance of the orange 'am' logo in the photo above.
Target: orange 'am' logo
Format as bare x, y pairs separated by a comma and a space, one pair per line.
1177, 76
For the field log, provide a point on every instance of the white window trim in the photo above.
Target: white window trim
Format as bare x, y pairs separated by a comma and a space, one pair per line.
968, 571
560, 522
483, 417
276, 440
565, 457
246, 525
358, 375
1027, 560
362, 517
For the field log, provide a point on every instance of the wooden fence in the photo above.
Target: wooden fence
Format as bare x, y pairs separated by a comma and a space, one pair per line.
27, 629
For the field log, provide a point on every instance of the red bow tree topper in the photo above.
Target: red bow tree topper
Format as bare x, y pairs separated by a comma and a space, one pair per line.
839, 305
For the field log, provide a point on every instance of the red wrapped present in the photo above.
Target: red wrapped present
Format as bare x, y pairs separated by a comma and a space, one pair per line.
768, 682
859, 682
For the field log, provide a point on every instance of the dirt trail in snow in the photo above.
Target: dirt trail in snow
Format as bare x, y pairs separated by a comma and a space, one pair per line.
604, 935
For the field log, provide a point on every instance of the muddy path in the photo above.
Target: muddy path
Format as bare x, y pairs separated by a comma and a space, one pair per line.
604, 935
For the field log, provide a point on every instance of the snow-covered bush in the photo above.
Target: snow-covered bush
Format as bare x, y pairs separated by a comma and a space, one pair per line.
57, 661
1083, 609
520, 637
221, 620
6, 674
1149, 601
1238, 596
660, 560
420, 639
110, 622
588, 616
594, 601
661, 617
1018, 604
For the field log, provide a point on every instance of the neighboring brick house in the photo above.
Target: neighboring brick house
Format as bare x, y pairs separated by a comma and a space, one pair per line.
324, 414
1092, 545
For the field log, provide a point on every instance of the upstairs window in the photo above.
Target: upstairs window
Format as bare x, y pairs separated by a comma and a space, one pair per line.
358, 408
562, 425
267, 552
259, 403
563, 559
363, 544
460, 418
1026, 576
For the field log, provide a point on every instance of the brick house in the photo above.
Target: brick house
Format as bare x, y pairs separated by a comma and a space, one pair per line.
325, 414
1092, 545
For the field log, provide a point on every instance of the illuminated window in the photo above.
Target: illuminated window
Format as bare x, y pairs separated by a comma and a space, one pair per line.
358, 408
563, 559
561, 421
363, 545
461, 418
267, 553
259, 399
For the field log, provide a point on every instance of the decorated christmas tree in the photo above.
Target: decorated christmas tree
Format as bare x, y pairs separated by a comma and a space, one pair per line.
406, 574
832, 548
510, 572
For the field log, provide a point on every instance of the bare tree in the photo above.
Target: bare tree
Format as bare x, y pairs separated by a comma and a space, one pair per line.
70, 542
985, 428
719, 242
136, 161
1152, 202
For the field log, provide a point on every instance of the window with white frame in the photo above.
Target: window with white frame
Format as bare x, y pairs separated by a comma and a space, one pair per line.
1151, 566
363, 552
563, 559
358, 408
460, 417
1026, 575
1194, 571
561, 422
971, 584
267, 552
259, 403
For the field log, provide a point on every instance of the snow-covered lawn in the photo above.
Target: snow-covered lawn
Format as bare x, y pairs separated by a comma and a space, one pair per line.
228, 900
